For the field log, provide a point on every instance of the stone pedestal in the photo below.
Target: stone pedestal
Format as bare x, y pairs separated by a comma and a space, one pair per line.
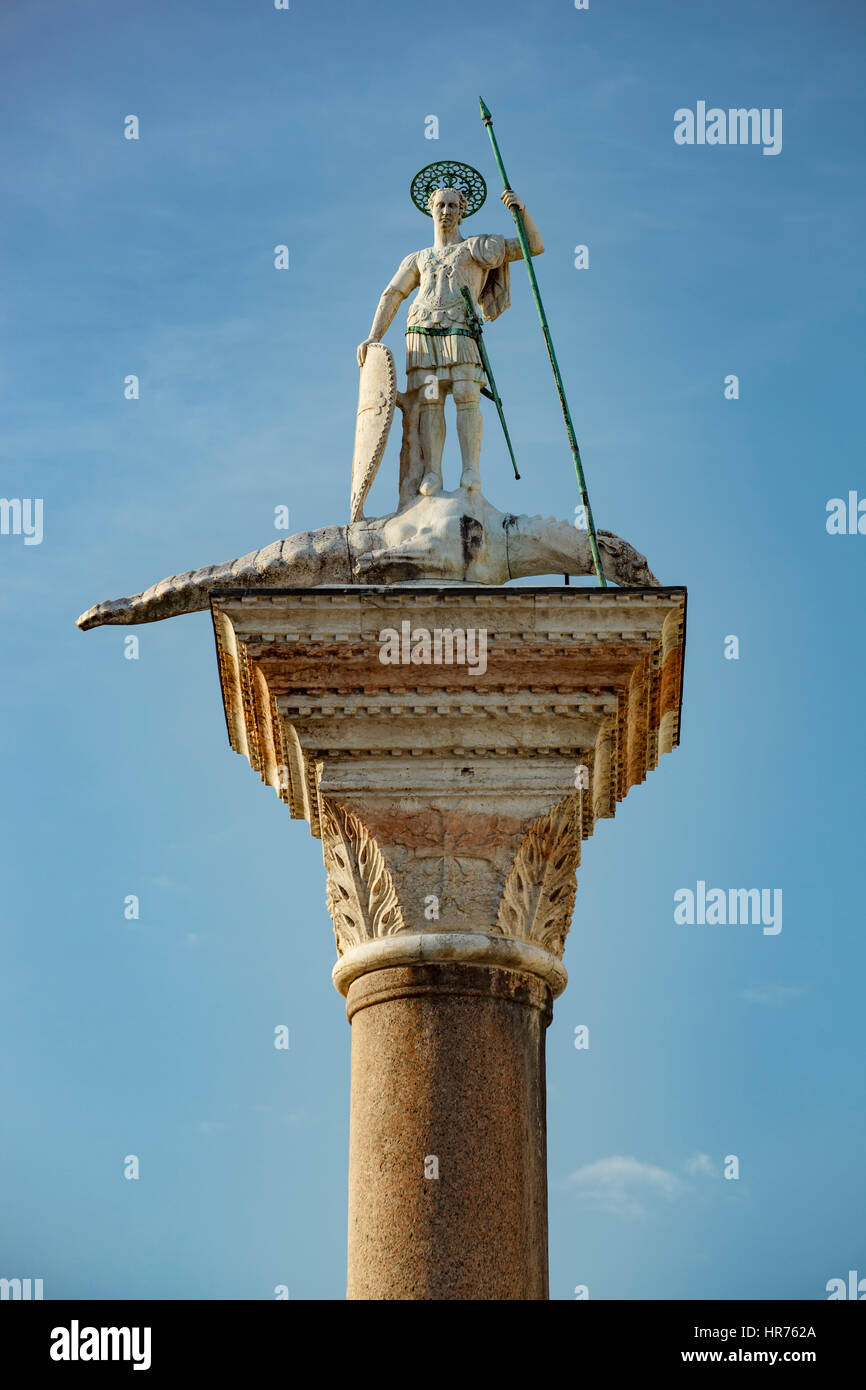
451, 798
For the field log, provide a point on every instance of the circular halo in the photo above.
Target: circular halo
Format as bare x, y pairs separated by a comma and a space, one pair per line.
448, 173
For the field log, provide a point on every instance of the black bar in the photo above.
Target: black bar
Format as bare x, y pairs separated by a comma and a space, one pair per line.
218, 1338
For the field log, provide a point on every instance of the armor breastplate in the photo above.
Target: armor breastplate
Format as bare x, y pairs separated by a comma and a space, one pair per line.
438, 303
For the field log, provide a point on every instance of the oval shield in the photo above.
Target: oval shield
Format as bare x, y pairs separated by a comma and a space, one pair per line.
376, 398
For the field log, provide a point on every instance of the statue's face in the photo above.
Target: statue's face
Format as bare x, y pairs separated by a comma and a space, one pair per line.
445, 208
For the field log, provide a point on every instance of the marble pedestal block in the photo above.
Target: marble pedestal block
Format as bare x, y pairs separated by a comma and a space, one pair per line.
451, 798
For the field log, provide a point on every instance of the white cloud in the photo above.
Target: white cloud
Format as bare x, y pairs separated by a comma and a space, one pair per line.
621, 1185
703, 1165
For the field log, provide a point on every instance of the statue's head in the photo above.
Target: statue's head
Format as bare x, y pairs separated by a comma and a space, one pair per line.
447, 206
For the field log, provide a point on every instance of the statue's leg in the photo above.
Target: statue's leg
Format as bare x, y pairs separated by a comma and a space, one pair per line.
411, 463
431, 430
470, 425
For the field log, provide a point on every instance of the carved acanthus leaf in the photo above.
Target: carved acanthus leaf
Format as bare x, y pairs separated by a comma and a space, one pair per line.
360, 894
538, 898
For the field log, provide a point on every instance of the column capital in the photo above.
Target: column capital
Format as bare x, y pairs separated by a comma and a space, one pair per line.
451, 747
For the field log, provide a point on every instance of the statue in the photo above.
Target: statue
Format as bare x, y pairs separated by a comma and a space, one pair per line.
442, 354
434, 536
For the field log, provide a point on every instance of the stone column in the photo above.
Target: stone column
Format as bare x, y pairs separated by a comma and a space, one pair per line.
451, 798
447, 1155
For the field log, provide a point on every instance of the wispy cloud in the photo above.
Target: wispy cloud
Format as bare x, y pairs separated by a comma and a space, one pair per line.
622, 1185
625, 1187
703, 1165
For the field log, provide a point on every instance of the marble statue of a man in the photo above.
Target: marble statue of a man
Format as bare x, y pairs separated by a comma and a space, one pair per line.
442, 356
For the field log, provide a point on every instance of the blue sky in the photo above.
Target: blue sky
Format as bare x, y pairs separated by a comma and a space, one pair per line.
155, 257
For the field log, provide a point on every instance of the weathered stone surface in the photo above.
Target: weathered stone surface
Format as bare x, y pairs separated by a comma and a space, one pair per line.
447, 799
448, 1064
460, 948
452, 538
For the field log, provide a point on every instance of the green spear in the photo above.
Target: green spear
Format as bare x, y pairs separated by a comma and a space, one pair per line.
575, 451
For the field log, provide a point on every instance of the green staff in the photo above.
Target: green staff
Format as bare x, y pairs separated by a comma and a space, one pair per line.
492, 395
575, 451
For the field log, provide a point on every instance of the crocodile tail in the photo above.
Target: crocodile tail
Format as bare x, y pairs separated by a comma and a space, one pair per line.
300, 561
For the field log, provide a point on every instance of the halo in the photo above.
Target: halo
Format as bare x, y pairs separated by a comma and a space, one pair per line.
448, 173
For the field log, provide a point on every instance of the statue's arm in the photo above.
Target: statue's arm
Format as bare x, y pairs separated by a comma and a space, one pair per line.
513, 250
404, 282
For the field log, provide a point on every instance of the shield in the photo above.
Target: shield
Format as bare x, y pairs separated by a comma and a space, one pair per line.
376, 398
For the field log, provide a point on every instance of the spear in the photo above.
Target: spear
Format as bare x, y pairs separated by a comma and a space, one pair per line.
575, 451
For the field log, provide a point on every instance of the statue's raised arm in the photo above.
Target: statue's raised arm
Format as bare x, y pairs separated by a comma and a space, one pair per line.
533, 235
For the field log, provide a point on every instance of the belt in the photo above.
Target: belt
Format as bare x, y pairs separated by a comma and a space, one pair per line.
440, 332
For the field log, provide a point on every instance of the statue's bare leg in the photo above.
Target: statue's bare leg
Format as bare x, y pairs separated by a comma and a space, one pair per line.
411, 462
470, 427
431, 429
